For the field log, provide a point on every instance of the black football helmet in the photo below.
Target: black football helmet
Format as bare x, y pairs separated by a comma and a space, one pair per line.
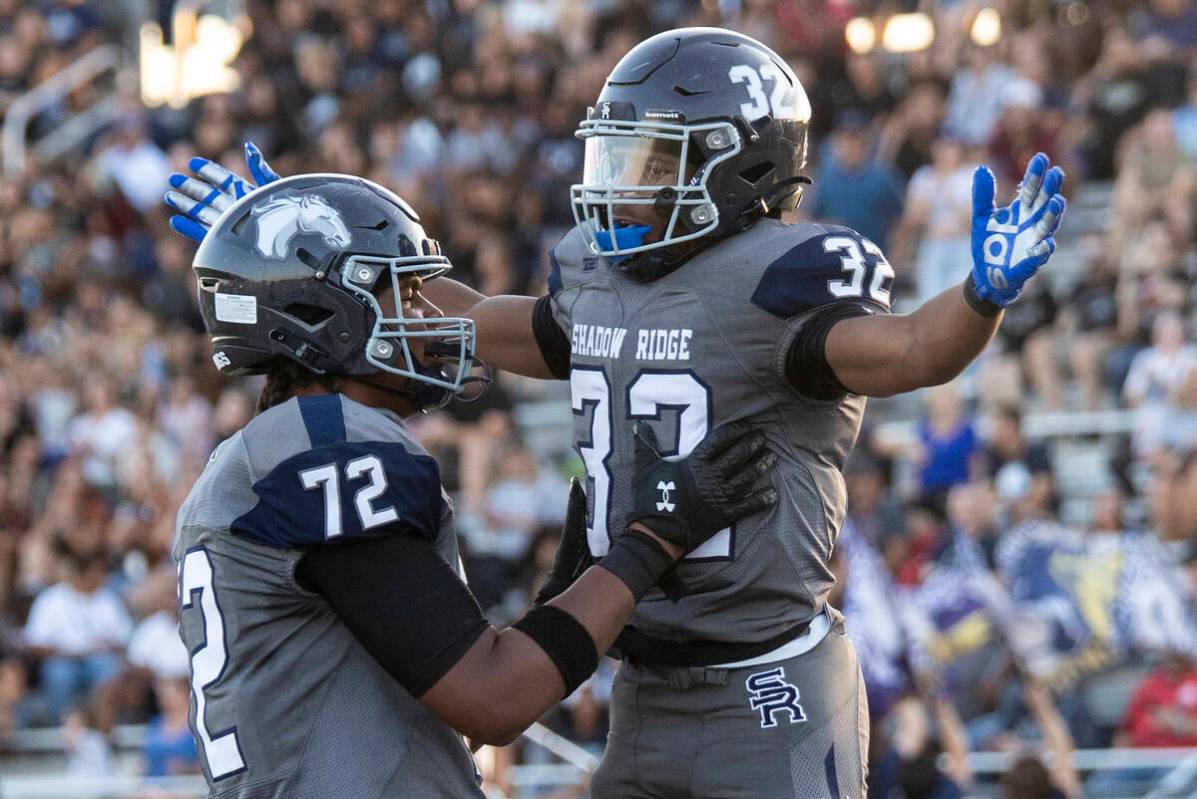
295, 269
698, 133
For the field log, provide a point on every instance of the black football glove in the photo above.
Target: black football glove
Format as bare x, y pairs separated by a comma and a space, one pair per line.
687, 501
573, 553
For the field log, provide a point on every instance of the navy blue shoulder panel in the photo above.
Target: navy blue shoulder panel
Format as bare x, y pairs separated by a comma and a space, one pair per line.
836, 265
378, 489
324, 418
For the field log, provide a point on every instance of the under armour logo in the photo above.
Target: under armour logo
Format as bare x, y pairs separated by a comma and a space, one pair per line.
606, 112
666, 490
770, 694
221, 360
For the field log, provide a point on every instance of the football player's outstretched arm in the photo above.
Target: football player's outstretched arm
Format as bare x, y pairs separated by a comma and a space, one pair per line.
506, 337
881, 355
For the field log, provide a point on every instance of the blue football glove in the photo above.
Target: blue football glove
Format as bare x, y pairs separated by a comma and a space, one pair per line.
199, 201
1010, 244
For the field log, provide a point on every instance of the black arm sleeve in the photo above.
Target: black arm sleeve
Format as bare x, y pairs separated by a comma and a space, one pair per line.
401, 600
807, 369
554, 346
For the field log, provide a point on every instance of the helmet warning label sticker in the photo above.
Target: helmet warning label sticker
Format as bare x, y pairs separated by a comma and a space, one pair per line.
240, 309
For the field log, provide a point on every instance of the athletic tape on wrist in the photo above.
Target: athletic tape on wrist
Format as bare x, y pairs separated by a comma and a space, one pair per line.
638, 560
564, 640
979, 305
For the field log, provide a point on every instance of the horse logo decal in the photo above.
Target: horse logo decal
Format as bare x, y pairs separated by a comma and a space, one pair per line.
281, 220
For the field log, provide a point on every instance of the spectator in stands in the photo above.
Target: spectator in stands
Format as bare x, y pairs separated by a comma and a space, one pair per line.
1154, 375
78, 628
975, 98
134, 163
910, 133
1021, 131
1163, 709
906, 762
948, 446
102, 433
89, 753
972, 515
1118, 92
1157, 179
15, 706
935, 224
852, 188
169, 748
1028, 778
1025, 352
1092, 313
1007, 449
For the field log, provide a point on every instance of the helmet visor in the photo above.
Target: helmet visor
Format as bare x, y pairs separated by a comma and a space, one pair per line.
632, 166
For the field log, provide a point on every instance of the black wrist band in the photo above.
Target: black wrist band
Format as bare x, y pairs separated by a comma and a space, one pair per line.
564, 640
980, 306
638, 560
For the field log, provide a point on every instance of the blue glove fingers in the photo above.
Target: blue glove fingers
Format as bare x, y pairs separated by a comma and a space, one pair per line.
201, 192
188, 227
230, 184
189, 206
1053, 182
1049, 223
259, 170
1039, 254
984, 186
1028, 190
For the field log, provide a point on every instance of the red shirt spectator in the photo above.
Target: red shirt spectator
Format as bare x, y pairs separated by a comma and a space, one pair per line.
1163, 710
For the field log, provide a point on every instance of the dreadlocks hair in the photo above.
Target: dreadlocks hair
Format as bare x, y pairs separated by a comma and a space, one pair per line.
284, 377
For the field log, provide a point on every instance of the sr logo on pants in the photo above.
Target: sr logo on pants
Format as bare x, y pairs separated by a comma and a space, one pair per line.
769, 693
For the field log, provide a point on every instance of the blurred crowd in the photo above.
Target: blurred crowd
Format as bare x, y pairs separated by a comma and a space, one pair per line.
109, 406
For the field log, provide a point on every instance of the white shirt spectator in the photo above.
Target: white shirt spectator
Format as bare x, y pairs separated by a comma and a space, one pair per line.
975, 101
1155, 372
156, 646
74, 623
139, 171
104, 437
948, 197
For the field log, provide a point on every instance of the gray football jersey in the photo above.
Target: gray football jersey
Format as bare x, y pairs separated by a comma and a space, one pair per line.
285, 701
702, 346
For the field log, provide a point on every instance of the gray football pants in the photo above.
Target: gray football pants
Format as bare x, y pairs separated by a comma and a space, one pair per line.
791, 729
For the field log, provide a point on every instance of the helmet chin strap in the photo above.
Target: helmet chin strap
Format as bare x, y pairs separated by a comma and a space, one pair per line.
427, 396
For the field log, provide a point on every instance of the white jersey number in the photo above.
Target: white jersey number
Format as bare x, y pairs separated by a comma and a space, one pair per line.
326, 477
648, 394
853, 263
221, 749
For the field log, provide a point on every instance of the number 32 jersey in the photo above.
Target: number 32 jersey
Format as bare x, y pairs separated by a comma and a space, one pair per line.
705, 345
285, 702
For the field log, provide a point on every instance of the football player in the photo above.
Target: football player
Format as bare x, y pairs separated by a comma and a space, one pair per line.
335, 649
682, 301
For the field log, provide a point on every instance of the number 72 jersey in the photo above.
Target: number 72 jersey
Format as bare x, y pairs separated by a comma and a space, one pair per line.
285, 701
702, 346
